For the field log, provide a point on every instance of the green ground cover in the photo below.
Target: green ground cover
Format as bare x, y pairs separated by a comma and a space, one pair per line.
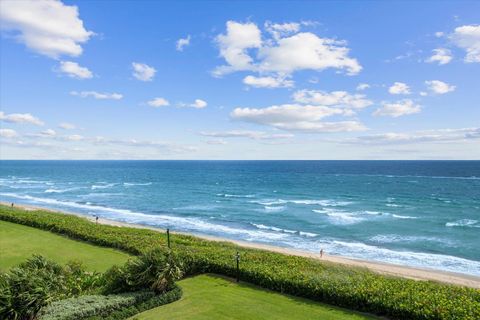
18, 243
348, 287
213, 297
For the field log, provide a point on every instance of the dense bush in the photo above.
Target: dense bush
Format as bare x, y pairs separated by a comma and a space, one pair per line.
24, 290
108, 307
155, 269
343, 286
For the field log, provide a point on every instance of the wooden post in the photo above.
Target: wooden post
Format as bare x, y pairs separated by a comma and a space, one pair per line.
168, 237
237, 257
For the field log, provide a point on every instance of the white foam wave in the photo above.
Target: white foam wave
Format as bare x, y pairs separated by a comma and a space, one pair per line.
323, 203
227, 195
132, 184
395, 238
464, 223
102, 186
274, 209
301, 233
398, 216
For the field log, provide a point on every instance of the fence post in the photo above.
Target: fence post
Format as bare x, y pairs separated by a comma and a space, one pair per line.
168, 237
237, 257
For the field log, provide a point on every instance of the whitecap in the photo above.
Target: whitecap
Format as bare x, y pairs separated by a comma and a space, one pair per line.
403, 217
463, 223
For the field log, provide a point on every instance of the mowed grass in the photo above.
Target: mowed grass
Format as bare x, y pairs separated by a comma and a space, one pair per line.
18, 243
214, 297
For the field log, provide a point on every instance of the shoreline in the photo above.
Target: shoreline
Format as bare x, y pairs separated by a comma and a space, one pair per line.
378, 267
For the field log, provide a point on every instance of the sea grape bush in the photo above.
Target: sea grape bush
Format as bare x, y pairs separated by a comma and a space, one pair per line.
349, 287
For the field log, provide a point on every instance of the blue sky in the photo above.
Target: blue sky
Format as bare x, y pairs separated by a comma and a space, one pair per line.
239, 80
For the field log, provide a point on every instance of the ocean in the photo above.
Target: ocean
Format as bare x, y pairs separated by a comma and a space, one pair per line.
415, 213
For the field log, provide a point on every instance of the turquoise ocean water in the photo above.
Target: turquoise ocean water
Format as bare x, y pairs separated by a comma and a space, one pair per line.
416, 213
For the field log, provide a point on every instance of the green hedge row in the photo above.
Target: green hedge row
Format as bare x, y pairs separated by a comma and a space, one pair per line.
110, 307
349, 287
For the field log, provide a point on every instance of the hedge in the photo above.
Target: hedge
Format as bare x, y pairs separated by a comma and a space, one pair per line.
344, 286
109, 307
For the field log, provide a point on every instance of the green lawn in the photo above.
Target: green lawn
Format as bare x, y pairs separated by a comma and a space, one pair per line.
18, 242
213, 297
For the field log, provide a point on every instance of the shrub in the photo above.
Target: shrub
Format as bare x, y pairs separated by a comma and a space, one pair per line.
109, 307
155, 269
37, 282
343, 286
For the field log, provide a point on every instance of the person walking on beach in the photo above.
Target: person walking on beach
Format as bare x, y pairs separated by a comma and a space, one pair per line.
12, 204
96, 219
321, 253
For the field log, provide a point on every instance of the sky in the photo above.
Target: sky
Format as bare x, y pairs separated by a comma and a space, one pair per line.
239, 79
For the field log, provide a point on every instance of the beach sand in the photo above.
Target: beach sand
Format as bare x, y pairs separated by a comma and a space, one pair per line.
379, 267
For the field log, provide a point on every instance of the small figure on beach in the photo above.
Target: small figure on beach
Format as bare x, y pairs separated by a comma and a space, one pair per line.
96, 219
12, 204
321, 253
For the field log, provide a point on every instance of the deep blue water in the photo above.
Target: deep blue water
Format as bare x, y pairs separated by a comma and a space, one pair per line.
417, 213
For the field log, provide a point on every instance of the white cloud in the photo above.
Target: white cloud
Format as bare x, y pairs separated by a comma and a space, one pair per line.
438, 135
67, 126
362, 86
74, 70
280, 55
216, 142
439, 87
182, 43
8, 133
334, 98
399, 88
143, 72
20, 118
294, 117
255, 135
74, 137
441, 56
268, 82
279, 30
398, 109
234, 45
48, 133
198, 104
439, 34
468, 38
158, 102
304, 51
48, 27
97, 95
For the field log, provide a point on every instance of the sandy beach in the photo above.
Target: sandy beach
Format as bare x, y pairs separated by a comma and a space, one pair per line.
379, 267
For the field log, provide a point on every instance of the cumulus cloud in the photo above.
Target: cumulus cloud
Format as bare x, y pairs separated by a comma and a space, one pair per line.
8, 133
439, 135
441, 56
234, 44
67, 126
286, 52
182, 43
268, 82
467, 37
74, 70
143, 72
398, 109
399, 88
198, 104
279, 30
158, 102
20, 118
48, 27
97, 95
362, 86
48, 133
255, 135
439, 87
295, 117
334, 98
